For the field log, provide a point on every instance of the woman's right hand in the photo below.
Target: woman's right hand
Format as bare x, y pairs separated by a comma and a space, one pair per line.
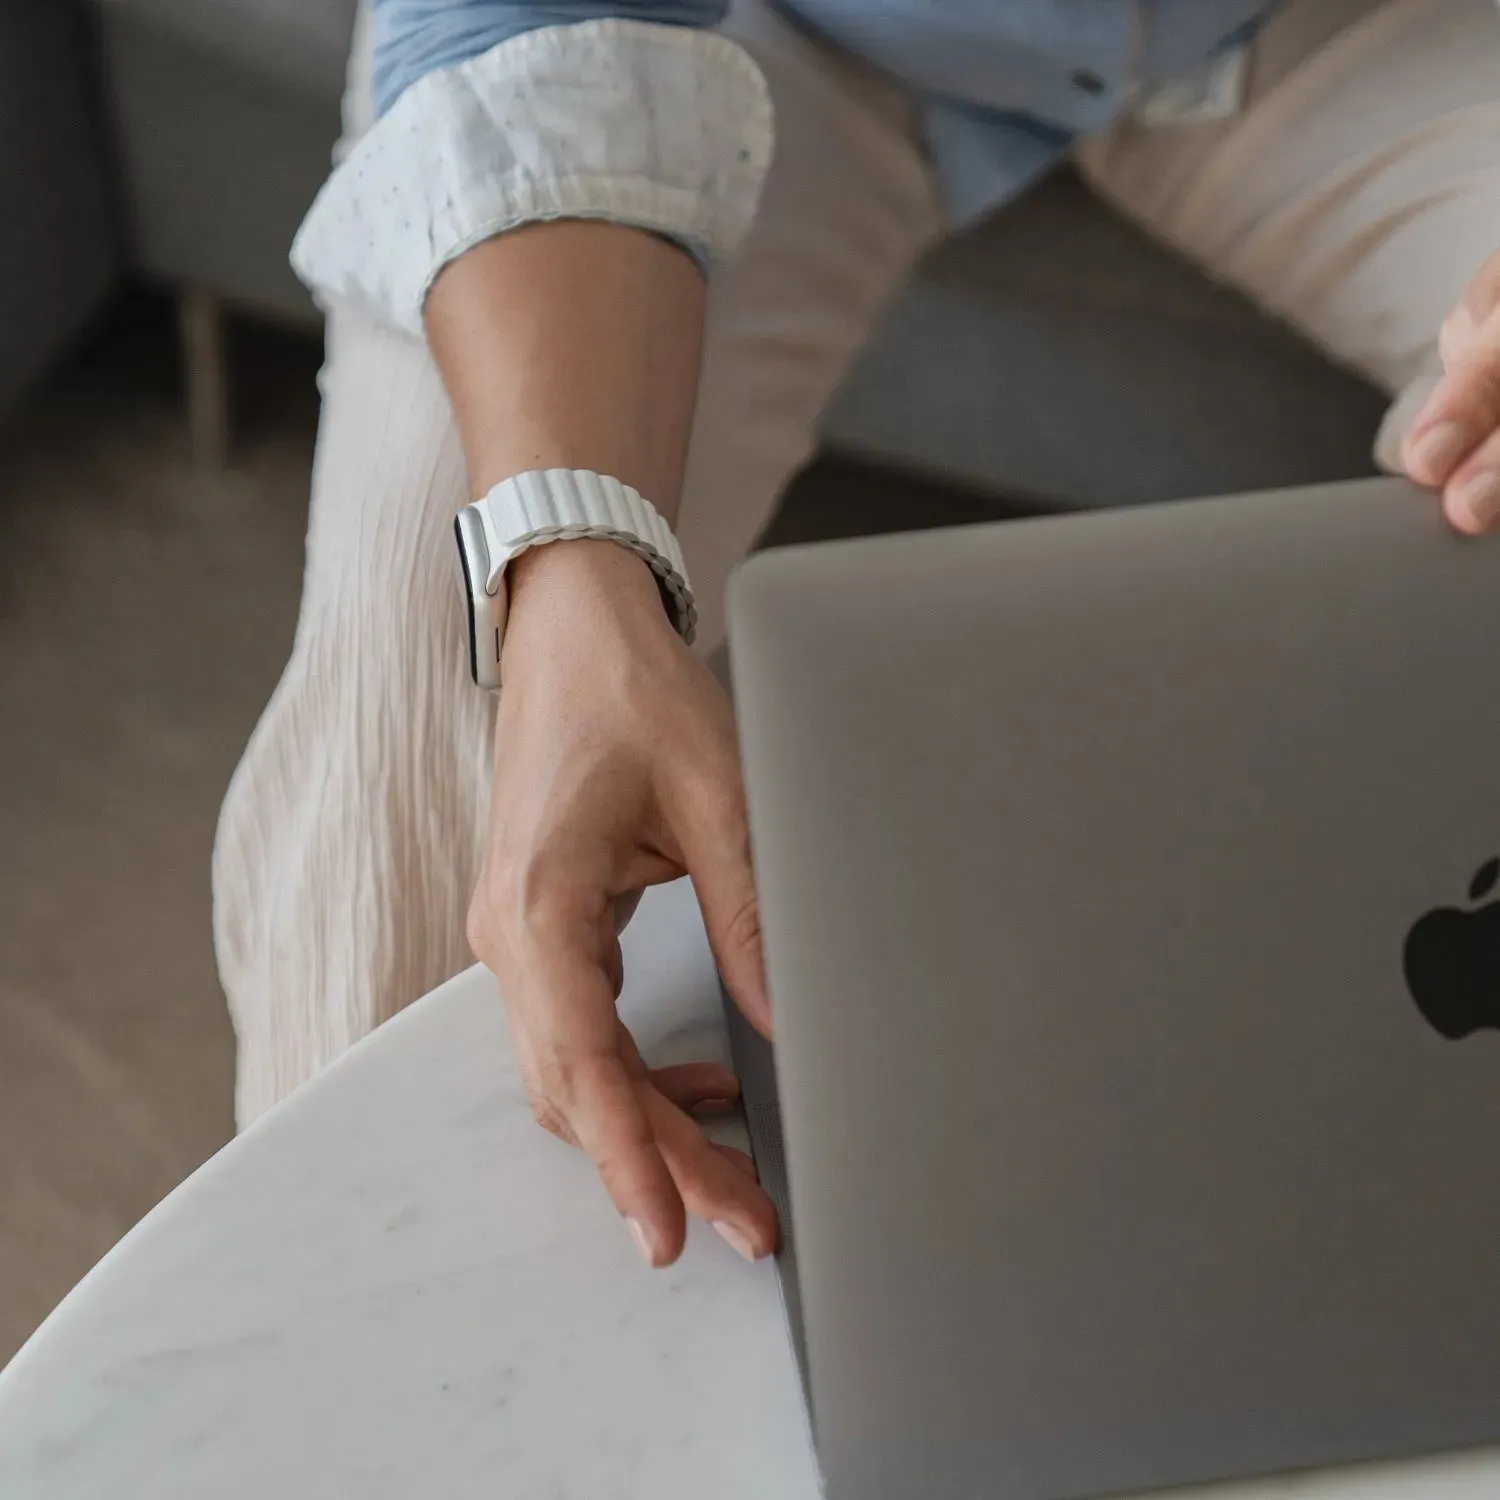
616, 767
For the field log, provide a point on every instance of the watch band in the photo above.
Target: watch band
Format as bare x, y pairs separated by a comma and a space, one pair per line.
553, 505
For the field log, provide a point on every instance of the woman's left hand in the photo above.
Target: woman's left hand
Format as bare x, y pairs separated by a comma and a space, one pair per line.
1454, 444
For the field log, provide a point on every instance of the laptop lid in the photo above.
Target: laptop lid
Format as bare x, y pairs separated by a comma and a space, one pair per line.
1125, 883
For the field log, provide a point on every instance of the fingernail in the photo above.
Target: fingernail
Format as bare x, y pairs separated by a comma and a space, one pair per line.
1479, 498
643, 1241
737, 1238
758, 1013
1435, 452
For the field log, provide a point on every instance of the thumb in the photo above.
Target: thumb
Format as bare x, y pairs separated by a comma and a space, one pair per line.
717, 854
1462, 411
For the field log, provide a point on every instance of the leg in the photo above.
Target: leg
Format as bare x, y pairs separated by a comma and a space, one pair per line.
848, 208
1357, 192
351, 834
350, 831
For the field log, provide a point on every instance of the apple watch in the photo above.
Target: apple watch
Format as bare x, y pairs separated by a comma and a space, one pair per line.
554, 505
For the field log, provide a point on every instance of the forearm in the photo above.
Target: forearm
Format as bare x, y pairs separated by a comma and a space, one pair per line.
520, 208
572, 345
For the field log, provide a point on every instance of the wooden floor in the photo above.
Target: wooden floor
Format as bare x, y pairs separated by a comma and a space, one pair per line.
144, 615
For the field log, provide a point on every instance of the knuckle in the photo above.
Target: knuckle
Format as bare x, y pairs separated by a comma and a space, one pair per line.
550, 1117
616, 1158
1454, 335
485, 925
707, 774
512, 900
479, 931
742, 926
1481, 376
567, 1075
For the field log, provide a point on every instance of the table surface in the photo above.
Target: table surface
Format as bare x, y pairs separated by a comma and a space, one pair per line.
395, 1284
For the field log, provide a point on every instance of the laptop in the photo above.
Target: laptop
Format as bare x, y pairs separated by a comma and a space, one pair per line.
1128, 886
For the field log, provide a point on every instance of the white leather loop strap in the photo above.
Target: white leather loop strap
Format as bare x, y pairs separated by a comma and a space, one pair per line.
554, 505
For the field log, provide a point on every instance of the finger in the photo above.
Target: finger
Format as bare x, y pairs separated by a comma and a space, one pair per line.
713, 1188
731, 917
691, 1086
573, 1035
548, 1116
715, 840
1471, 498
1460, 413
635, 1064
714, 1109
739, 1160
1483, 292
1456, 336
606, 1115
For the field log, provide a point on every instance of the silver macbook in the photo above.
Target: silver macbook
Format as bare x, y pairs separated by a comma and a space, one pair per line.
1128, 885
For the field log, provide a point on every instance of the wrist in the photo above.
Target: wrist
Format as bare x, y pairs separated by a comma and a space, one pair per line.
584, 589
540, 516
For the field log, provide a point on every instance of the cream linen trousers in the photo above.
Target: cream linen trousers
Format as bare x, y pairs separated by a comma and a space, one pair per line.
1353, 196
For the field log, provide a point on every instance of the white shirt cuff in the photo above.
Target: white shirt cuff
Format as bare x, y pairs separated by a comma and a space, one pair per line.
661, 127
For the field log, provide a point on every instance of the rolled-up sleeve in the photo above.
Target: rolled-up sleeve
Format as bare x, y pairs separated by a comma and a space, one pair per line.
497, 113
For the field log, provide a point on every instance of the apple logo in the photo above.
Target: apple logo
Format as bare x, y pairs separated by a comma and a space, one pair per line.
1452, 962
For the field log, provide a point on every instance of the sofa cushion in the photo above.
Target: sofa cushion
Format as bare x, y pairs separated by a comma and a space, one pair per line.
1055, 352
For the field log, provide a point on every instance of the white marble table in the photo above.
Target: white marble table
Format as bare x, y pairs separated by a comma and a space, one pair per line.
396, 1285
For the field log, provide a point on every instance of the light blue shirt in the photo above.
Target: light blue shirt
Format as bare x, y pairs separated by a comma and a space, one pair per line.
1006, 85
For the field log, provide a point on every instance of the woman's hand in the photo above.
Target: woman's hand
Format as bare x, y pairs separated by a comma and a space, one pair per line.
576, 344
616, 767
1454, 444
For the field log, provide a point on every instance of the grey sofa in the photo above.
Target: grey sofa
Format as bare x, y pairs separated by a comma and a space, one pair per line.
1056, 353
224, 113
1053, 353
58, 247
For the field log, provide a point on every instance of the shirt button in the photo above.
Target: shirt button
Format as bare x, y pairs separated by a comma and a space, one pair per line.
1086, 82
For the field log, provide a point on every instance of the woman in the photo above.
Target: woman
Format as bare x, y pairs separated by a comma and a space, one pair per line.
558, 245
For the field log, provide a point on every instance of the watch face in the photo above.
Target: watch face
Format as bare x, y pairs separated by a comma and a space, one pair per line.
485, 610
466, 587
